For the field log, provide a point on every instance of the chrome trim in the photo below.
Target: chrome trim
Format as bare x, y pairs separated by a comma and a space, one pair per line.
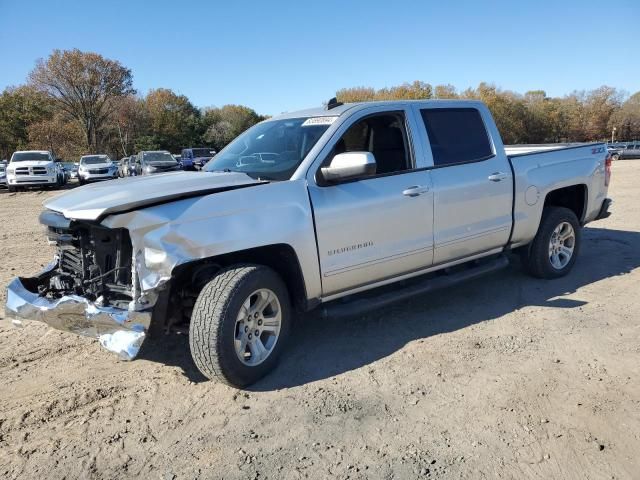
118, 330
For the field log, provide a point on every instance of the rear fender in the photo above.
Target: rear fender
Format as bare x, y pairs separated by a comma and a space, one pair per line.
535, 181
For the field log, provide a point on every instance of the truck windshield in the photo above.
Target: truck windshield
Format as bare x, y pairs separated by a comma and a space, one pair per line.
202, 152
158, 157
30, 157
271, 150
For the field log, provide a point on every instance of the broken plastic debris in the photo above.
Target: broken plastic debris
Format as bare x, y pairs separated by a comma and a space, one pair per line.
125, 343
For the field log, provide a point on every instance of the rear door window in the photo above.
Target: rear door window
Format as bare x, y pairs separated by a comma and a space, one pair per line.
456, 135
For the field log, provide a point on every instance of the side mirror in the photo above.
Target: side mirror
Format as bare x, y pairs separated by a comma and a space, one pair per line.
348, 166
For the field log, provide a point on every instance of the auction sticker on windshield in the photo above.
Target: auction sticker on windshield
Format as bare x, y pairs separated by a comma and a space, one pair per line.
314, 121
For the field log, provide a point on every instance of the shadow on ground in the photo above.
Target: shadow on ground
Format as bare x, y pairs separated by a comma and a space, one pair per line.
322, 348
39, 189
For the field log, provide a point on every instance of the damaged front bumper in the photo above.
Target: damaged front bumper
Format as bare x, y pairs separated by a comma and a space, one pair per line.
118, 330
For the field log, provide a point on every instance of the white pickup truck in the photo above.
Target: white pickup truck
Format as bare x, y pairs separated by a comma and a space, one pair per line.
34, 168
302, 210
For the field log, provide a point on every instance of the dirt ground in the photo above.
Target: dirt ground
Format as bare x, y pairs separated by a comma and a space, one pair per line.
502, 377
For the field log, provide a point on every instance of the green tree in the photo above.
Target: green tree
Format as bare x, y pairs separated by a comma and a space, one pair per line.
19, 108
172, 119
224, 124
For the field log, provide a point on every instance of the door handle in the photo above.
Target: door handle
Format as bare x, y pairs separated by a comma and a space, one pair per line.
497, 176
415, 191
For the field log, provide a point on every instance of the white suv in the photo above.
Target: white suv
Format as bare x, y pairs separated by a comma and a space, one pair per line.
34, 168
94, 168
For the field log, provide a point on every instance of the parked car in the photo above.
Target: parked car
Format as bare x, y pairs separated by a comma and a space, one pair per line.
630, 150
131, 172
343, 208
152, 162
123, 167
71, 169
614, 151
96, 168
34, 168
3, 174
195, 158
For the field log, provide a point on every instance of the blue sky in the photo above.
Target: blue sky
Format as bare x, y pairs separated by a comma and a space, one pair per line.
279, 56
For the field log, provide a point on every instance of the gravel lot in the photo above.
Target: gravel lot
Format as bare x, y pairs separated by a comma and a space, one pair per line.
503, 377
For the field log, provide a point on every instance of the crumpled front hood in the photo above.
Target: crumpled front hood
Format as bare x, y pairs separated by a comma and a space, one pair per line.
92, 202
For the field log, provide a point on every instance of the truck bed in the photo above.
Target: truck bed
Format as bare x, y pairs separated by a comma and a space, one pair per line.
539, 169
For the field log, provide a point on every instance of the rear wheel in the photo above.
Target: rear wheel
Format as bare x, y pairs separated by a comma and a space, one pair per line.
555, 247
240, 323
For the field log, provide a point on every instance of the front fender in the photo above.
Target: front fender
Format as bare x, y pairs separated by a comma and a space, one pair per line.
167, 235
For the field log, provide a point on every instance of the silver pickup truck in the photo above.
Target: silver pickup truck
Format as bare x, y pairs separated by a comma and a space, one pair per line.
324, 208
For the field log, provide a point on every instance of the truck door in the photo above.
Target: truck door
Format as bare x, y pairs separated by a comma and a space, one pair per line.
472, 182
376, 227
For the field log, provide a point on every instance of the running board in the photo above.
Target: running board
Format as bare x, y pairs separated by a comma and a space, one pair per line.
360, 303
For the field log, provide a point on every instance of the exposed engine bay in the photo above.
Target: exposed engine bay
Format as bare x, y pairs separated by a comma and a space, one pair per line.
93, 261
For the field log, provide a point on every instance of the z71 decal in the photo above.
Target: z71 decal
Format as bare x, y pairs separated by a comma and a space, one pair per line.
597, 150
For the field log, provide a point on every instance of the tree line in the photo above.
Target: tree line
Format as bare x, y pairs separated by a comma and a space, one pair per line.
534, 117
77, 102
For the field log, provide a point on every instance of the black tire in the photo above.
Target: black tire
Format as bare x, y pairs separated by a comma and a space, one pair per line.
213, 324
12, 189
81, 181
535, 257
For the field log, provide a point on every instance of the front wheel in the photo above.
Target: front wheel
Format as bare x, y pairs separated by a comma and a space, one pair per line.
239, 325
555, 247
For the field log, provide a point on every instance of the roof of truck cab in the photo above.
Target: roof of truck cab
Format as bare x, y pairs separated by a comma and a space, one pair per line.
31, 151
341, 109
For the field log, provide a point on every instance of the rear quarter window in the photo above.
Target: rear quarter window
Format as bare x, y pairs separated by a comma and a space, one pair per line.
456, 135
